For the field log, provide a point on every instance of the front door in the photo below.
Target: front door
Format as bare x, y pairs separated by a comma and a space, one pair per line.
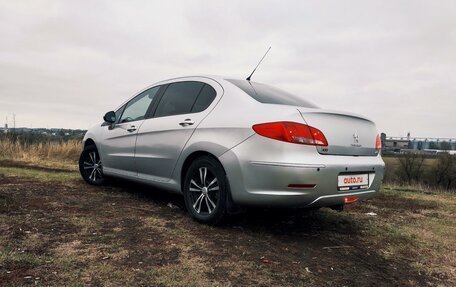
119, 140
161, 138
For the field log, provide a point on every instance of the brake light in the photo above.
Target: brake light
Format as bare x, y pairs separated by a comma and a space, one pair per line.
291, 132
378, 143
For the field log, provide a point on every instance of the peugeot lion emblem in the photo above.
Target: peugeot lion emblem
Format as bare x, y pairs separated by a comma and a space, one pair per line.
355, 138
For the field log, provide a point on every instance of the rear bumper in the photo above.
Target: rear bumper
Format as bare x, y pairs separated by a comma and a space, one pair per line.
260, 170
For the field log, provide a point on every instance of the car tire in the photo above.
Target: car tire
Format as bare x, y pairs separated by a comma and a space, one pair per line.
206, 191
90, 166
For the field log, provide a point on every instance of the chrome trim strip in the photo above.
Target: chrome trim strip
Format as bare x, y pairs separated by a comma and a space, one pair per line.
280, 193
300, 165
342, 194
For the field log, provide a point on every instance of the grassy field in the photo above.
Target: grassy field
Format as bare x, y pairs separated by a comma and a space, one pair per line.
59, 154
58, 231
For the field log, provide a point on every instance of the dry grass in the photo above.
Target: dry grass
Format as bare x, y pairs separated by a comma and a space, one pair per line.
418, 226
67, 152
415, 187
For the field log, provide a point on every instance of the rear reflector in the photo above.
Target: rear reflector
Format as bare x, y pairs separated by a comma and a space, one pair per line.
291, 132
297, 185
350, 199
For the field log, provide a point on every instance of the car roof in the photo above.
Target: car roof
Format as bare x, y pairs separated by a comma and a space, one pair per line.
216, 78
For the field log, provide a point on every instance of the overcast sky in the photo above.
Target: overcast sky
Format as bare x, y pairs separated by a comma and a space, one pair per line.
65, 63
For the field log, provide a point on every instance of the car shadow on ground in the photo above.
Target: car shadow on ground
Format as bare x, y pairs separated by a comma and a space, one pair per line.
277, 221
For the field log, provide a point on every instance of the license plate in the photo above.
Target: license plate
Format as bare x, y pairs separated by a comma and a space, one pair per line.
353, 181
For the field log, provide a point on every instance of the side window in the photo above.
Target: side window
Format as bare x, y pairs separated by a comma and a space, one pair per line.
136, 109
178, 98
205, 98
119, 113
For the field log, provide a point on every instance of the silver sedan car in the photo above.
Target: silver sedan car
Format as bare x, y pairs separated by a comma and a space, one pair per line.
225, 143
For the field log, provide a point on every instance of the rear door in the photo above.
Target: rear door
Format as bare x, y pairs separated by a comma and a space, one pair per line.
182, 106
119, 140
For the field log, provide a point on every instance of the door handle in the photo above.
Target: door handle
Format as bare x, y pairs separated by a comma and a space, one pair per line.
187, 122
131, 129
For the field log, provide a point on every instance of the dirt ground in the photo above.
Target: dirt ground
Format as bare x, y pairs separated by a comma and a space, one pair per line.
66, 233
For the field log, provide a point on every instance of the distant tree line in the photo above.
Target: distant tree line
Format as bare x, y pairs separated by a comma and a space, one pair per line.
436, 171
32, 137
440, 145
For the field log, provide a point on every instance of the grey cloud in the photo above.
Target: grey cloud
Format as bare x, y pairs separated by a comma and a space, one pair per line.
393, 61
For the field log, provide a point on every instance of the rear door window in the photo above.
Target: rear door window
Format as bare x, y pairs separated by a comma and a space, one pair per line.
178, 98
204, 100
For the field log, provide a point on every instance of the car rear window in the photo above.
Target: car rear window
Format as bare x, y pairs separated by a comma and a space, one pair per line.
270, 95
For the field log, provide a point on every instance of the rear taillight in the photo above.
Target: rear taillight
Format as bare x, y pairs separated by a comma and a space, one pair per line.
378, 143
291, 132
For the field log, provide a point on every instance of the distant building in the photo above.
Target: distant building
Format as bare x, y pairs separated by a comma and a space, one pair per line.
393, 145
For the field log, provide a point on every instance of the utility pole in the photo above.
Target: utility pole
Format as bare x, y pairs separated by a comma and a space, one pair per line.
14, 128
6, 125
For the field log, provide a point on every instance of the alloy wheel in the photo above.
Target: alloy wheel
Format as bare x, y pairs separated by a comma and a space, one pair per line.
93, 167
205, 191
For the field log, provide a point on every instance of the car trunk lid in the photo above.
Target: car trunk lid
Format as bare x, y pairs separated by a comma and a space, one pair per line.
347, 134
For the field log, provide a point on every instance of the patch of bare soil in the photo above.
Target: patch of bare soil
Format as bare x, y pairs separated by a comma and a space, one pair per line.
132, 235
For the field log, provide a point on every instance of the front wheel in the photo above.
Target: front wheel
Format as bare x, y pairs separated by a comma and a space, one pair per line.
90, 166
205, 190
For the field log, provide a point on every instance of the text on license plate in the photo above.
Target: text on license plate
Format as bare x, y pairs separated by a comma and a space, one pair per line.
353, 181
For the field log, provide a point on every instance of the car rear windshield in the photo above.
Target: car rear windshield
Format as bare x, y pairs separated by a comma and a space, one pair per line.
270, 95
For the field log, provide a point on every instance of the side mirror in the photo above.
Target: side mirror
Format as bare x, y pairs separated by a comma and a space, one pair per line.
110, 117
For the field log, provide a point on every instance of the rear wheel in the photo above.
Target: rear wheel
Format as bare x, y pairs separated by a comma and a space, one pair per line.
205, 190
90, 166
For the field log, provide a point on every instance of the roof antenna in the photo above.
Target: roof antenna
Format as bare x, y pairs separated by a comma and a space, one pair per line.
248, 78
